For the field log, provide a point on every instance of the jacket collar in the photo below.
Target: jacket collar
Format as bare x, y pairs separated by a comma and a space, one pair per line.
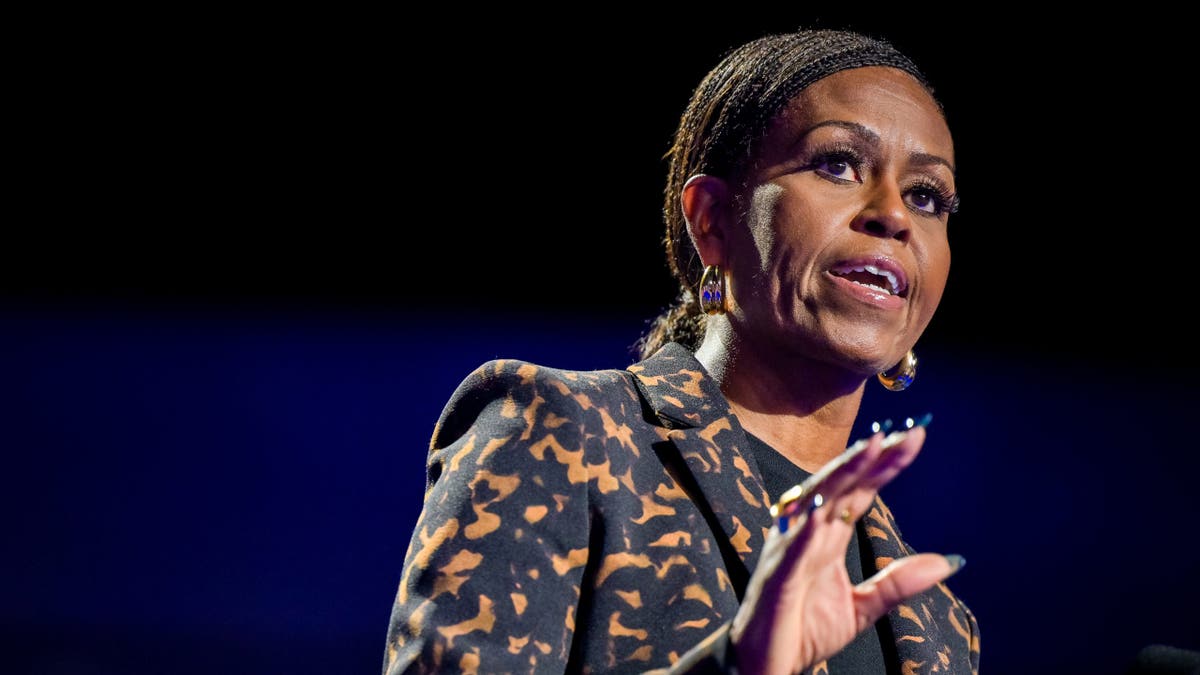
699, 423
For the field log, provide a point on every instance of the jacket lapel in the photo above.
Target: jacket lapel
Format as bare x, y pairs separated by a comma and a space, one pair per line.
933, 631
715, 454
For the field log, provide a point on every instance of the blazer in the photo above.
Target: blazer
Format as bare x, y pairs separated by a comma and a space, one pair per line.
606, 521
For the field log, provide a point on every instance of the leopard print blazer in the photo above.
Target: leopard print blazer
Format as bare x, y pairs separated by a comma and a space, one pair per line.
605, 521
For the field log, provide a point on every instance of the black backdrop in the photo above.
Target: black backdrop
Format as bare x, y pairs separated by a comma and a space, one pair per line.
254, 254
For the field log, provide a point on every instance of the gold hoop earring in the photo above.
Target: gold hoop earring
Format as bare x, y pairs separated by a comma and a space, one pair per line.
902, 375
712, 290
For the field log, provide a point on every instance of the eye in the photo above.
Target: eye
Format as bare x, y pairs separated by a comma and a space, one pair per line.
838, 166
934, 200
925, 200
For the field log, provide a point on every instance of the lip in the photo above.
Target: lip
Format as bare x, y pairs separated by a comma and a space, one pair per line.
882, 263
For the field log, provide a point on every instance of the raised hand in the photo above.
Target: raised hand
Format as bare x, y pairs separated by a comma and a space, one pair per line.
800, 606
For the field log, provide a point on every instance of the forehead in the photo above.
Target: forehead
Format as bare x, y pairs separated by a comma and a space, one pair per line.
887, 100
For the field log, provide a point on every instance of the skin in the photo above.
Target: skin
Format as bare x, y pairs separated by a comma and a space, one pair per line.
798, 344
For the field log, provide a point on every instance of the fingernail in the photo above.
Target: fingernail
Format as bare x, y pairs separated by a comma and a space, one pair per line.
876, 427
922, 421
783, 524
817, 501
956, 562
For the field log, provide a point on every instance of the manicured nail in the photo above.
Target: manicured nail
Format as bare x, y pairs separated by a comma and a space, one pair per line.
876, 427
922, 421
956, 562
783, 524
817, 501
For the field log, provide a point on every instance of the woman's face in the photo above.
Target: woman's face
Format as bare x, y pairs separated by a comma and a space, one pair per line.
845, 254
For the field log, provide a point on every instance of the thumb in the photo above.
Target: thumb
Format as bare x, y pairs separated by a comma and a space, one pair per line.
899, 581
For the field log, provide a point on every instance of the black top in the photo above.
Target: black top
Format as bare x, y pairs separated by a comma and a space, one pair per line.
872, 651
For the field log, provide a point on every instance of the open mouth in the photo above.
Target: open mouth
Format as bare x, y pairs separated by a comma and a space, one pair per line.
875, 277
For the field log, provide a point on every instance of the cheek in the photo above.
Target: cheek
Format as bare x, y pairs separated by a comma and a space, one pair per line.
786, 221
937, 272
760, 220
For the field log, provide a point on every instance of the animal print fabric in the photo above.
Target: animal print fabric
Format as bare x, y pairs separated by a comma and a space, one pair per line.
604, 521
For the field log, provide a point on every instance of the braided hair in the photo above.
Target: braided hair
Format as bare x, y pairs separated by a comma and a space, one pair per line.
728, 113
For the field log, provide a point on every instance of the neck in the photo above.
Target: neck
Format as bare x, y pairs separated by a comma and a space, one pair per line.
803, 408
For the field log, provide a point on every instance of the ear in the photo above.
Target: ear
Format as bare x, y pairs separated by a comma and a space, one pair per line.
705, 208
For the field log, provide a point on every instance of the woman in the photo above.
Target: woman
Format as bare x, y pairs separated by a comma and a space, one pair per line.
641, 519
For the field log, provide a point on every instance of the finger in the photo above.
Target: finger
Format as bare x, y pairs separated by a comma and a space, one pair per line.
842, 473
858, 490
865, 468
850, 482
830, 480
852, 507
881, 460
900, 580
816, 534
809, 549
899, 452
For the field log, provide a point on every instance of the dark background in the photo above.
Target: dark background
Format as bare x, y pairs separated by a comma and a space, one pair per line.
251, 256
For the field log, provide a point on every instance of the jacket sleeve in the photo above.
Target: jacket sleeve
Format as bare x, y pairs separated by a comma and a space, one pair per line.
493, 570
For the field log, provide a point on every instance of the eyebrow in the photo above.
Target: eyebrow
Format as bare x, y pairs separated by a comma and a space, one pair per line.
922, 158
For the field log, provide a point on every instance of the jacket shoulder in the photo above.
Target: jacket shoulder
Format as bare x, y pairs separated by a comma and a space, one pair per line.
508, 389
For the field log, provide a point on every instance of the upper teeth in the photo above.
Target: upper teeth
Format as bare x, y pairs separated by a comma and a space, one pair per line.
891, 278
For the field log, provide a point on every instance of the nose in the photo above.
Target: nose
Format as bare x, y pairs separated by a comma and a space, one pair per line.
885, 215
